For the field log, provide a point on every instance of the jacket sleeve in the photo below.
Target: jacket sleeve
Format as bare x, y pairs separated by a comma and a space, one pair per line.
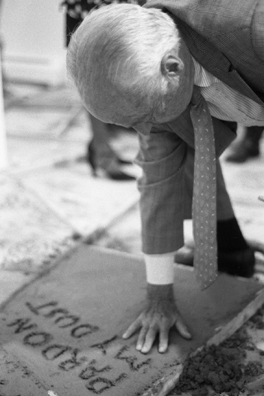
161, 156
163, 189
258, 29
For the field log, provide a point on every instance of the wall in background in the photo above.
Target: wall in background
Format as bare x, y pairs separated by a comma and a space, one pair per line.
33, 33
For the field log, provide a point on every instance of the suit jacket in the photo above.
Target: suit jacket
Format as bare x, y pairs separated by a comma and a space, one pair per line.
227, 38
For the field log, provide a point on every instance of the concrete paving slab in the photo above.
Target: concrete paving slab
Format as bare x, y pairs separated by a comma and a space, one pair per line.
17, 92
251, 220
62, 334
245, 189
87, 203
25, 155
245, 183
125, 234
79, 129
48, 97
31, 235
36, 122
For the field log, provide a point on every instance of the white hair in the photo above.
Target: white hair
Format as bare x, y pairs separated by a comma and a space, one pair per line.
121, 40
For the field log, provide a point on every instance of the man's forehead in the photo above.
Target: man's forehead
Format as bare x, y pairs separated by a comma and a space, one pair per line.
116, 110
111, 103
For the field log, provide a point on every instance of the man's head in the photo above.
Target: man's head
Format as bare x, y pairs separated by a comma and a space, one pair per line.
130, 65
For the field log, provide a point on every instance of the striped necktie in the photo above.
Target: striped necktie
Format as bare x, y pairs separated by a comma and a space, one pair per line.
204, 192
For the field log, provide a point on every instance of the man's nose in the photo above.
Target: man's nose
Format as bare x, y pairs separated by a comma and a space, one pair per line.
143, 127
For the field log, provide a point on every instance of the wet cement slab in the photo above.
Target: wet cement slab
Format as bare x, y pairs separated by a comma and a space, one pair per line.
62, 334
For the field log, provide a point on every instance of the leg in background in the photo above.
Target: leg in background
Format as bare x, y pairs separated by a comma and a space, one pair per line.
101, 156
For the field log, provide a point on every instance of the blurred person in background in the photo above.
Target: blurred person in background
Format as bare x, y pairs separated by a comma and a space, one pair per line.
100, 154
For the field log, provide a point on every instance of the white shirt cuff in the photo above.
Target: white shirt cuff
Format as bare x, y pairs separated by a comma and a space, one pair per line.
160, 268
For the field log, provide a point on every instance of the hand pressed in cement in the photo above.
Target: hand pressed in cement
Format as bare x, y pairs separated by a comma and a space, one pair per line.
159, 316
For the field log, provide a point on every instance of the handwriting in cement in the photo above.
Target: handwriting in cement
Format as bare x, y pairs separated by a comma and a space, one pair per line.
94, 372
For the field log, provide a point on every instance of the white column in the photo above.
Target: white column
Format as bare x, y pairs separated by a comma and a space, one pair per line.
3, 142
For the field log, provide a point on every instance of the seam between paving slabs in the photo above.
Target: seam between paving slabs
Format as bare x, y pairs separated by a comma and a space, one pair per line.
76, 236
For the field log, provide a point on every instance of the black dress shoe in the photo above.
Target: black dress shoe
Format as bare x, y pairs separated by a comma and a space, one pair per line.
238, 263
243, 151
110, 164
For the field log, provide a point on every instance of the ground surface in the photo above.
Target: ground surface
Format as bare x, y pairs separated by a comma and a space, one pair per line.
49, 201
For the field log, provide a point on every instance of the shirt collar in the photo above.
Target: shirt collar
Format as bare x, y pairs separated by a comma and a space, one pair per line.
202, 78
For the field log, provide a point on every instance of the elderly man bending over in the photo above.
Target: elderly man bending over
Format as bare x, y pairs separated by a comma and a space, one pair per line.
182, 73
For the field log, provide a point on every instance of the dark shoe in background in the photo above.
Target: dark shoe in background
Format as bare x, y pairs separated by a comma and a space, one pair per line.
243, 151
107, 163
247, 147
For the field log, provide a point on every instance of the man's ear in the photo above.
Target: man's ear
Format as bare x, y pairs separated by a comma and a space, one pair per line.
171, 65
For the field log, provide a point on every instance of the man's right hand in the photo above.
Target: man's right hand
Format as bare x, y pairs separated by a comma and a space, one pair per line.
159, 316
